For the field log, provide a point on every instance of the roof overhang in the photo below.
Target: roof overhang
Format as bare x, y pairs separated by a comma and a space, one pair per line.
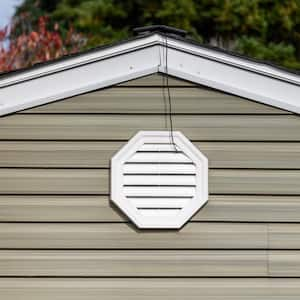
142, 56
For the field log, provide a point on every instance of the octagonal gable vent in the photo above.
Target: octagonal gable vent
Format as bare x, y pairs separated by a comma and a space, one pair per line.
158, 184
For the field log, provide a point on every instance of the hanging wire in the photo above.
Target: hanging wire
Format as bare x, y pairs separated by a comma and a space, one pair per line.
164, 98
169, 112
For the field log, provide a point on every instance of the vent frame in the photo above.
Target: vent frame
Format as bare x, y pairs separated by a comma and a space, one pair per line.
118, 178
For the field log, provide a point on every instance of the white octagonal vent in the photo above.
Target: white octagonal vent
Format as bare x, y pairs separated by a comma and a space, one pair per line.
158, 184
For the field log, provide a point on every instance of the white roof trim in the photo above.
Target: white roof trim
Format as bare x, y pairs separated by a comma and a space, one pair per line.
144, 56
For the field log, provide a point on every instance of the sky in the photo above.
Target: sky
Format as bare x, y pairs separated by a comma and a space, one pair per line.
7, 9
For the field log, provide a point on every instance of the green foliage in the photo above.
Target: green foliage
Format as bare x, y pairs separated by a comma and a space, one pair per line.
266, 29
279, 53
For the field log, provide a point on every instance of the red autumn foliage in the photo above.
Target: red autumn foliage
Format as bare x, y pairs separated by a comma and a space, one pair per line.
31, 47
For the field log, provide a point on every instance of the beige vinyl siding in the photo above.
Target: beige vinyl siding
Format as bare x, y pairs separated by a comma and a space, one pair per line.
96, 208
124, 126
125, 263
125, 236
61, 238
156, 80
149, 100
96, 181
108, 235
95, 154
149, 288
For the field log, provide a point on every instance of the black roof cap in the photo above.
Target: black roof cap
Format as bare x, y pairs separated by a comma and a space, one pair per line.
161, 29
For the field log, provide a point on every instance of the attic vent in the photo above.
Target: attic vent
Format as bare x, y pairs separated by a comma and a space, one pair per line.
158, 184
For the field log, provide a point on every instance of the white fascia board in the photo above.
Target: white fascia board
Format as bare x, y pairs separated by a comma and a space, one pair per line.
82, 59
145, 56
232, 60
233, 75
66, 79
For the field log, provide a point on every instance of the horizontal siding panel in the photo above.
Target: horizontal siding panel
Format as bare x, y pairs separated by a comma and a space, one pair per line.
122, 127
156, 80
96, 181
145, 101
230, 208
254, 208
251, 155
284, 263
98, 154
150, 288
272, 182
58, 154
40, 208
284, 236
133, 263
126, 236
54, 181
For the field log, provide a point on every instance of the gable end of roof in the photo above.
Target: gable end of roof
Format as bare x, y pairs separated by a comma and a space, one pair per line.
146, 55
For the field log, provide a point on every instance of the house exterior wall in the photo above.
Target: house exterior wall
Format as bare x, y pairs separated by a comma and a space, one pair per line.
60, 238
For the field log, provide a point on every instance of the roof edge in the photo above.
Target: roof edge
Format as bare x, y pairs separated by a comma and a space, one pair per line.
148, 40
142, 56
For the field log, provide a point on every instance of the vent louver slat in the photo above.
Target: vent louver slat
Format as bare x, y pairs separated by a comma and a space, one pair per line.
156, 166
160, 191
159, 180
159, 157
164, 202
159, 168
